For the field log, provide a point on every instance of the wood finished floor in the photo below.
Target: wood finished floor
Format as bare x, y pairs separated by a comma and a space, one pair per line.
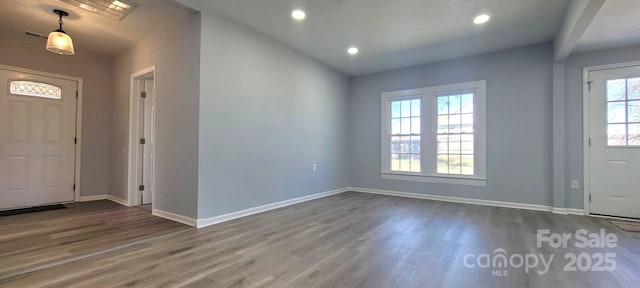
29, 241
347, 240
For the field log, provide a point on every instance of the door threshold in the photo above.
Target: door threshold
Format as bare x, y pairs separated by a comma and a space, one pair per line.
619, 218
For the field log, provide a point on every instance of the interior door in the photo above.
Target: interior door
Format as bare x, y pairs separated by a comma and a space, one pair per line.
615, 142
147, 113
37, 133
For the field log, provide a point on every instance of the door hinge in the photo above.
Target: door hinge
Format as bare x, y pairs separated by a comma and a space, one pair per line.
77, 93
143, 141
589, 83
589, 197
75, 140
141, 187
74, 187
143, 94
589, 142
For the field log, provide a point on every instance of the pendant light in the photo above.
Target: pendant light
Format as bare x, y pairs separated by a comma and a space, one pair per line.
60, 42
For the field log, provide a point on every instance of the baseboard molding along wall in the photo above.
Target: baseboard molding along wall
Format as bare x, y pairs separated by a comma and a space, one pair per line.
205, 222
201, 223
565, 211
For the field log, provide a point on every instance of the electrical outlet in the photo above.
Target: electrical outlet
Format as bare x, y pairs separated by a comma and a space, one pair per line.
575, 184
314, 167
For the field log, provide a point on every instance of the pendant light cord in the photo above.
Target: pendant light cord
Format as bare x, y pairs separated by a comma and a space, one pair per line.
60, 22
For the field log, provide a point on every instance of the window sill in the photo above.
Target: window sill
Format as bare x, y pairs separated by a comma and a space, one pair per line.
439, 179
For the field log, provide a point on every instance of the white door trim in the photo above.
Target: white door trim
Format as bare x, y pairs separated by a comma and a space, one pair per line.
586, 121
134, 105
78, 148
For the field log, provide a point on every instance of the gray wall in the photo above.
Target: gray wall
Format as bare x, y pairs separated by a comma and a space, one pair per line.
96, 70
519, 119
574, 94
267, 114
175, 53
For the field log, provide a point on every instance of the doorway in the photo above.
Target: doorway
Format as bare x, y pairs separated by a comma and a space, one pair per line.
38, 138
612, 149
142, 138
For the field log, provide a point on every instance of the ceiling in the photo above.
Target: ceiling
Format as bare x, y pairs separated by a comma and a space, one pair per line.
615, 25
89, 31
397, 33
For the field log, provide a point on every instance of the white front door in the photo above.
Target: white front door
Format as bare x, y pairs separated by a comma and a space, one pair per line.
37, 139
615, 142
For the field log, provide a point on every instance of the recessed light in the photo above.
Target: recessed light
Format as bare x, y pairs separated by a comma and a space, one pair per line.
481, 19
353, 50
298, 14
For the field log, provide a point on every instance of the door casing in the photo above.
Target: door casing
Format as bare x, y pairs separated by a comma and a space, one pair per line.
134, 152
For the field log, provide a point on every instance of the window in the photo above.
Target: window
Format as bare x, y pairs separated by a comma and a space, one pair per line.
35, 89
623, 112
435, 134
405, 135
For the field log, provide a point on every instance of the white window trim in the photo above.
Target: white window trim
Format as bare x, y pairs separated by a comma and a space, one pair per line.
428, 149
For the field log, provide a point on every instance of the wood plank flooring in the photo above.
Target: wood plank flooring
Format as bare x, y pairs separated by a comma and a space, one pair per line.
348, 240
28, 241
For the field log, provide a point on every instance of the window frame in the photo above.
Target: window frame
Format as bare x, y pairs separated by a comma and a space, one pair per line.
428, 119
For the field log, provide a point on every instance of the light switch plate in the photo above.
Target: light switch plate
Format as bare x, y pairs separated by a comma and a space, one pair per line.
575, 184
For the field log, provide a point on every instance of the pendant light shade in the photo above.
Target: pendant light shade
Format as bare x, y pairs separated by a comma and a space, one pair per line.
60, 42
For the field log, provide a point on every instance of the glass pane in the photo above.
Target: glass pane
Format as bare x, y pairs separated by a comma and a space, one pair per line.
415, 144
634, 134
616, 90
395, 144
395, 109
415, 107
633, 88
454, 144
443, 144
467, 165
467, 123
395, 162
616, 112
415, 125
35, 89
454, 123
405, 165
405, 127
454, 104
405, 144
467, 103
634, 111
405, 108
467, 144
443, 164
454, 164
443, 124
617, 135
443, 105
395, 126
415, 163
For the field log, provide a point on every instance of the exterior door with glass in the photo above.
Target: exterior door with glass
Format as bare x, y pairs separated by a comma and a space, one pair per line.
37, 139
614, 125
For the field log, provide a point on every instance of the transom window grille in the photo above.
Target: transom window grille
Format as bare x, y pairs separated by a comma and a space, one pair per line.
35, 89
623, 112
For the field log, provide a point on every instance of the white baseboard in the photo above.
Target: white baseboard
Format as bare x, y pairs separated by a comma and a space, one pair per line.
201, 223
175, 217
92, 198
118, 200
482, 202
104, 197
